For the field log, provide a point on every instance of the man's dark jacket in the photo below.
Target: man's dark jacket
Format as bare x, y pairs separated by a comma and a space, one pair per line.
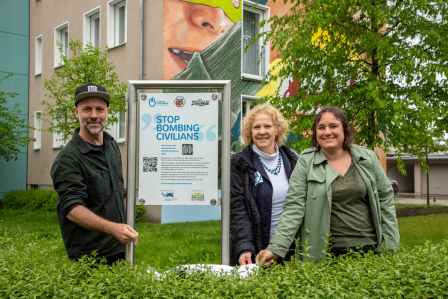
251, 201
88, 175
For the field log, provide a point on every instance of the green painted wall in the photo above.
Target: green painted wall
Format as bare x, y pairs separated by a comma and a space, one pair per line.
14, 60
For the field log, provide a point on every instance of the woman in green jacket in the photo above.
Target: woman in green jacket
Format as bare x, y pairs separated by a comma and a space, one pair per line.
339, 199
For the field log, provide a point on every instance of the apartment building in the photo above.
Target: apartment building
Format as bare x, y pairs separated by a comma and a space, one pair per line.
150, 40
14, 37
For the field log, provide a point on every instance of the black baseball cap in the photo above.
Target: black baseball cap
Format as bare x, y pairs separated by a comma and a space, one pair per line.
91, 90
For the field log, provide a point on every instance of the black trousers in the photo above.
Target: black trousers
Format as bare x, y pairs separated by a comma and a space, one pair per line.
337, 251
110, 260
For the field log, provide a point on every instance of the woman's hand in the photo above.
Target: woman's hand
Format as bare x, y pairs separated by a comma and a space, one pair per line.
265, 258
245, 258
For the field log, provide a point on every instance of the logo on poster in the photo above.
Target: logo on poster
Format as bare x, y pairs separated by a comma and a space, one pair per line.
168, 196
197, 196
179, 101
200, 102
152, 102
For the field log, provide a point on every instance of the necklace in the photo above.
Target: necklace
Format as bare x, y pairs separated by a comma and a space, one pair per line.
275, 170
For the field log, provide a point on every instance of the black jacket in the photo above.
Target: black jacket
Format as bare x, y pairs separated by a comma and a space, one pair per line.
251, 201
90, 176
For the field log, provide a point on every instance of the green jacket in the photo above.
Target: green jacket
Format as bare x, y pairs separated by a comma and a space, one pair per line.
307, 209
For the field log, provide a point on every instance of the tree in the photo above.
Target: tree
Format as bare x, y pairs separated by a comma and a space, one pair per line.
385, 62
13, 128
88, 64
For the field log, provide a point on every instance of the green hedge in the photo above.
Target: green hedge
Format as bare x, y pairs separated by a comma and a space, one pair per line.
31, 267
45, 199
36, 199
423, 210
140, 213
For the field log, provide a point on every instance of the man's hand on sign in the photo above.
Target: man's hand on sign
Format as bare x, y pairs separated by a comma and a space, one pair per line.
124, 233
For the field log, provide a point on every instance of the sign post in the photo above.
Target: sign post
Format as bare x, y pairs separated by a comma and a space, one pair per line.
179, 148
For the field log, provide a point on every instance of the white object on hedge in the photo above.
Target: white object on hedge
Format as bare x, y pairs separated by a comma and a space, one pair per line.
243, 271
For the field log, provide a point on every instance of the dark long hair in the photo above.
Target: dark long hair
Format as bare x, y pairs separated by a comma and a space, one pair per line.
340, 115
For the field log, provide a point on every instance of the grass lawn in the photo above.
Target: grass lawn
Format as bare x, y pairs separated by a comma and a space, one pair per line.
168, 245
419, 229
416, 206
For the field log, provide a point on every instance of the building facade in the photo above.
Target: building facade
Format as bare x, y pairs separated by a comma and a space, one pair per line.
150, 40
14, 37
414, 182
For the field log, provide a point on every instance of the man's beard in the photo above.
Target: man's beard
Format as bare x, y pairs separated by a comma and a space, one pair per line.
95, 130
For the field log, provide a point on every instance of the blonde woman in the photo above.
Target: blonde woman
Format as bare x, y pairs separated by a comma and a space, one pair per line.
259, 182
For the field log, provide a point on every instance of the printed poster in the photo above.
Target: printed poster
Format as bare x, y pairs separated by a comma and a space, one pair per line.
178, 148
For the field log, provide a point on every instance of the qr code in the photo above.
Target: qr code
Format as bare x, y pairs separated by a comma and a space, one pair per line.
187, 149
149, 164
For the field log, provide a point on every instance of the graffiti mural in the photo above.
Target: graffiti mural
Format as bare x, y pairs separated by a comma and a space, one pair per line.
202, 41
191, 26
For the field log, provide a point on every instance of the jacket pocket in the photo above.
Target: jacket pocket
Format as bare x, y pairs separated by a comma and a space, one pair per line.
316, 187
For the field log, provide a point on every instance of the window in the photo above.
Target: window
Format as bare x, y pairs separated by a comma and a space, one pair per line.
118, 129
37, 134
121, 126
58, 138
247, 102
116, 19
255, 54
38, 54
92, 28
60, 44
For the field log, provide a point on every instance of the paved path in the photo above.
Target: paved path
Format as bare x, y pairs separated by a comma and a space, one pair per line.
422, 201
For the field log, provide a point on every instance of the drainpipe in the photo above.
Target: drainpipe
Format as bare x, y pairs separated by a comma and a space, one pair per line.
141, 74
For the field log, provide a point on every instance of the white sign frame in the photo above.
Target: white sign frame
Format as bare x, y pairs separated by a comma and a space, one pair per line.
134, 86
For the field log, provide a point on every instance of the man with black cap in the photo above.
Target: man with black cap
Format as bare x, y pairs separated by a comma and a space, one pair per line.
87, 176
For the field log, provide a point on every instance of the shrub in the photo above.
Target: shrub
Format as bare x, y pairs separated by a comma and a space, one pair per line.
31, 269
45, 199
14, 200
139, 213
423, 210
36, 199
34, 264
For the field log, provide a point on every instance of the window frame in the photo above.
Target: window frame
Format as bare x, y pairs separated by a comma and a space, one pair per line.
246, 99
37, 130
121, 139
38, 54
58, 60
58, 138
87, 23
263, 49
112, 35
114, 129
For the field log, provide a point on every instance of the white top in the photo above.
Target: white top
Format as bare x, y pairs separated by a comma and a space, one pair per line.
279, 184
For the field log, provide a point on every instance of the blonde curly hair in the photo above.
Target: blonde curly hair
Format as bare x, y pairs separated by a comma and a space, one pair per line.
277, 119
